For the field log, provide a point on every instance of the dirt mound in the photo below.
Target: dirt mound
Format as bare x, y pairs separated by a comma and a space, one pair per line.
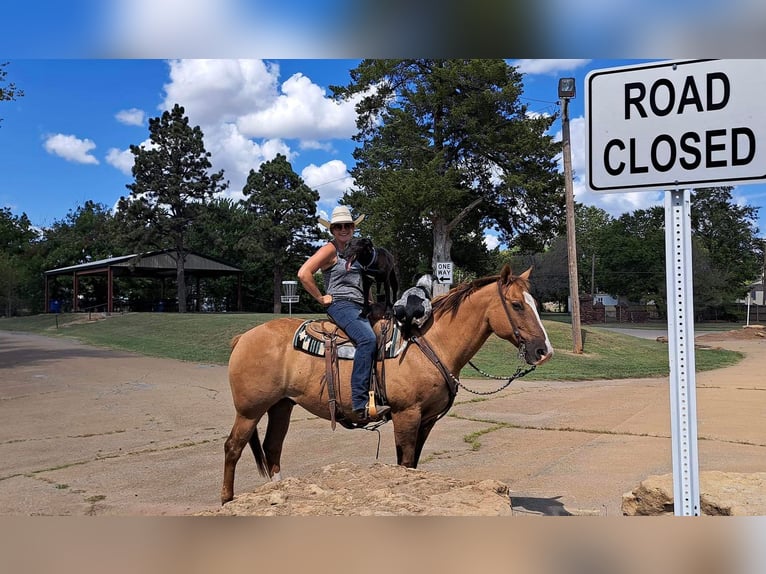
748, 333
378, 490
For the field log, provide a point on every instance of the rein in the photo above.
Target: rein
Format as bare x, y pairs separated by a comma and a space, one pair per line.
520, 372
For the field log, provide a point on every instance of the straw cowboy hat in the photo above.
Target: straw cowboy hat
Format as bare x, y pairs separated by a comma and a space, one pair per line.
341, 214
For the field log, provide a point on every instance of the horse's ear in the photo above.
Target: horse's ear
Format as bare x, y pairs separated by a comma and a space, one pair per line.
505, 273
526, 274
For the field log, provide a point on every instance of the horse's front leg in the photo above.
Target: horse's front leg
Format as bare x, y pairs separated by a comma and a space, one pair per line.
406, 428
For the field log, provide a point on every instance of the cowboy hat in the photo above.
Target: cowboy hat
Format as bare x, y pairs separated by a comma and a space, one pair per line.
341, 214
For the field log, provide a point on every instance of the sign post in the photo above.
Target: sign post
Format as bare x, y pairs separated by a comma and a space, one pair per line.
683, 392
673, 126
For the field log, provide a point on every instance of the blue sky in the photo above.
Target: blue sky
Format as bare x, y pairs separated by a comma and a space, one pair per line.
67, 140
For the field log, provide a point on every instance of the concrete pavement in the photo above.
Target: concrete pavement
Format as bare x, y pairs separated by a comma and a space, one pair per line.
88, 431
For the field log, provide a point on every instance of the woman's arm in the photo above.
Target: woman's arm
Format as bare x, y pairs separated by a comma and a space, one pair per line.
322, 259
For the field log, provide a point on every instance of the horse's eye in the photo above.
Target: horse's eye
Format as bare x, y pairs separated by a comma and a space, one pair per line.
517, 306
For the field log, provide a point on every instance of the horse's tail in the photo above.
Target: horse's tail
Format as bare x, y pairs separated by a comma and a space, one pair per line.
260, 456
234, 341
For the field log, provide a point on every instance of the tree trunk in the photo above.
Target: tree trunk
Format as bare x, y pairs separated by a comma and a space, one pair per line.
181, 282
442, 250
443, 241
277, 289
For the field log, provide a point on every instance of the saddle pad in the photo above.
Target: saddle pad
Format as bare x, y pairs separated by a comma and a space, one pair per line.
308, 338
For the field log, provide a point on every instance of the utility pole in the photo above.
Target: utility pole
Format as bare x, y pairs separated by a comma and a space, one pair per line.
566, 92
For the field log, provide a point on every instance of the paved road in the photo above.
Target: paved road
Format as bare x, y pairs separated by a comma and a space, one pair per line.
86, 431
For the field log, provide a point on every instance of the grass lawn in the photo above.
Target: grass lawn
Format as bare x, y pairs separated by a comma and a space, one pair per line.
204, 337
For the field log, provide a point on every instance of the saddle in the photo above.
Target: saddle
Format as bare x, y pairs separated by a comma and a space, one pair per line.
323, 338
312, 335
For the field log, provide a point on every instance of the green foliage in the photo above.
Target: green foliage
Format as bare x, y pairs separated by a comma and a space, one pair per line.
19, 278
86, 233
628, 254
726, 236
8, 90
631, 256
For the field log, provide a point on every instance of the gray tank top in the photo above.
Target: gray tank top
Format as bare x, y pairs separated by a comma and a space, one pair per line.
341, 284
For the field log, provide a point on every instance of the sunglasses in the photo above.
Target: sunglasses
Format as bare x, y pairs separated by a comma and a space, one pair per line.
341, 226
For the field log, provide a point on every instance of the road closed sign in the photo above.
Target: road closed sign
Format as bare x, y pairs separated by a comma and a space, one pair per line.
676, 124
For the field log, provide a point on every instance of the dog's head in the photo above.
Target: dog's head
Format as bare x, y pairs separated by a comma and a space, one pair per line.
358, 249
426, 283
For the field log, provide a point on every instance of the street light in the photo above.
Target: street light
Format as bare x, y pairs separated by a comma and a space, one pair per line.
566, 92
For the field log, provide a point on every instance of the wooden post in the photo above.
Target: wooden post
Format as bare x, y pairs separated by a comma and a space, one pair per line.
574, 290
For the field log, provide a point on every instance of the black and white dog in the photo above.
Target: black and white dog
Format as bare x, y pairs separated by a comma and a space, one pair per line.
413, 308
377, 264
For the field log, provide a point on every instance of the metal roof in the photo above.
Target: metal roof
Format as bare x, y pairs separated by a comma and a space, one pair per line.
155, 261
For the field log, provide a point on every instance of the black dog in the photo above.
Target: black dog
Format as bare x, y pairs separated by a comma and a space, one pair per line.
377, 264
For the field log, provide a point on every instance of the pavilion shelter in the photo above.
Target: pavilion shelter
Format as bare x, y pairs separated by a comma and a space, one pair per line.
155, 264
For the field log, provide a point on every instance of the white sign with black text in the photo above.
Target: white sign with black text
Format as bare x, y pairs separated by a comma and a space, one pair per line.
444, 271
676, 124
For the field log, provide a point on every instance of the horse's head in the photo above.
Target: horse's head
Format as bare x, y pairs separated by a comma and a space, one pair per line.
515, 317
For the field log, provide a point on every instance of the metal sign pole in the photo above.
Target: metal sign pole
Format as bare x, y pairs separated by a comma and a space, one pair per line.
683, 401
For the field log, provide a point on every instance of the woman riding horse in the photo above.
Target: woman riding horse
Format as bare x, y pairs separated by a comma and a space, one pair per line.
268, 376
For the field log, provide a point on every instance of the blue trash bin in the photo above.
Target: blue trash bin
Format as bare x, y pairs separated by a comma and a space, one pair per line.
55, 306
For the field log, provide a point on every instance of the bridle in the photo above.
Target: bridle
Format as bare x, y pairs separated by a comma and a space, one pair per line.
516, 333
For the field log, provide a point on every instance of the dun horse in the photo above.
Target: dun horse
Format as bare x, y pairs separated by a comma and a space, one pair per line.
267, 375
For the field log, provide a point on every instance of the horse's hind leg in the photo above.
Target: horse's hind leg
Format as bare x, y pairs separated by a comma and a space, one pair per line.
244, 430
276, 430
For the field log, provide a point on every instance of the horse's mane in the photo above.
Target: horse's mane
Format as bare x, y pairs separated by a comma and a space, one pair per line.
449, 302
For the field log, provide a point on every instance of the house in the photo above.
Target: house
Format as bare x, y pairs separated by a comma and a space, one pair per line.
756, 294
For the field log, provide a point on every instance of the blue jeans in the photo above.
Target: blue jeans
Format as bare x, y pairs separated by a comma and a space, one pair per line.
348, 316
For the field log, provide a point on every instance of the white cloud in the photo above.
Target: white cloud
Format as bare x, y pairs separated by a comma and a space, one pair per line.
216, 91
131, 117
71, 148
248, 117
237, 155
301, 111
123, 160
549, 67
491, 240
330, 179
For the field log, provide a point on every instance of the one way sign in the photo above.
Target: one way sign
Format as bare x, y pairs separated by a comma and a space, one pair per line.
444, 271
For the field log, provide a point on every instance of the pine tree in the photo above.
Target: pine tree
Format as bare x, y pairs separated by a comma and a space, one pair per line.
172, 185
284, 225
